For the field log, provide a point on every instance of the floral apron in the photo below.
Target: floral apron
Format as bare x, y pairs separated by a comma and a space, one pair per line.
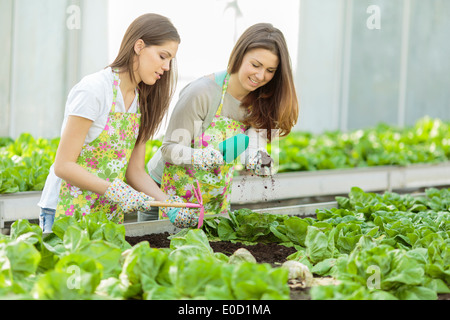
215, 184
106, 157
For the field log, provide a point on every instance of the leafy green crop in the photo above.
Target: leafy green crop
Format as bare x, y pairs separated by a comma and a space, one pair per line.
379, 246
398, 242
88, 258
428, 141
25, 162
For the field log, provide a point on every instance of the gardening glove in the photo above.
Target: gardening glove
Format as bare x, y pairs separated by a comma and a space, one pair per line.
128, 199
180, 217
260, 162
207, 158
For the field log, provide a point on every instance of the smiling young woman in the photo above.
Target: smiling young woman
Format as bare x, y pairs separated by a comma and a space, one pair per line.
257, 69
273, 105
254, 96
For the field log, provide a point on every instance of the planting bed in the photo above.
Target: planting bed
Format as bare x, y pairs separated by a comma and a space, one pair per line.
329, 256
271, 253
404, 237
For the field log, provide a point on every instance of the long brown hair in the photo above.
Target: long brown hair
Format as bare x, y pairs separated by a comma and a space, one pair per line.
154, 100
275, 105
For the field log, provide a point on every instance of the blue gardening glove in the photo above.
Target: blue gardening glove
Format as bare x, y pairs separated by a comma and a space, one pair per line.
180, 217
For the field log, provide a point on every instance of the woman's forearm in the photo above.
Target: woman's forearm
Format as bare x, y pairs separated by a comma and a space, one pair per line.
138, 178
144, 183
77, 176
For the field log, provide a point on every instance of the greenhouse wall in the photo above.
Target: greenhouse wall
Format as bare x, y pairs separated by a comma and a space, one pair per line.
46, 47
356, 62
361, 62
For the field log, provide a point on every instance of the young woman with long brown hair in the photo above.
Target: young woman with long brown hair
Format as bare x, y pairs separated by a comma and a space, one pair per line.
109, 117
255, 95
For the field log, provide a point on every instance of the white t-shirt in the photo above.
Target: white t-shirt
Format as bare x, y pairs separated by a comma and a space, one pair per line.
91, 98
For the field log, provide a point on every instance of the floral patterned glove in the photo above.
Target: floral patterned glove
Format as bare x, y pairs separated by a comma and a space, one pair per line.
180, 217
206, 158
126, 197
260, 163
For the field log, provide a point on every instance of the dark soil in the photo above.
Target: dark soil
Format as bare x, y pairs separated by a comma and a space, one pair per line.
271, 253
156, 240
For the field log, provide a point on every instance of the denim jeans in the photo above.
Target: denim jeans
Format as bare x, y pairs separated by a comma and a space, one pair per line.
46, 219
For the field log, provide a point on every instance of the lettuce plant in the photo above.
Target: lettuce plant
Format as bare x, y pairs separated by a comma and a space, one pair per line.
87, 257
398, 241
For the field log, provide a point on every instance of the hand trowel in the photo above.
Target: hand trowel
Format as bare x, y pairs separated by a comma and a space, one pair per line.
232, 147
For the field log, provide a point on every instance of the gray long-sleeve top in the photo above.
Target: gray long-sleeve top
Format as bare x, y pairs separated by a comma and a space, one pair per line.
198, 103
